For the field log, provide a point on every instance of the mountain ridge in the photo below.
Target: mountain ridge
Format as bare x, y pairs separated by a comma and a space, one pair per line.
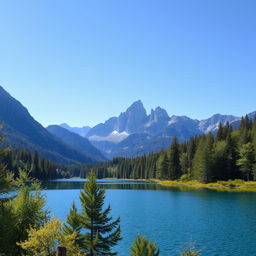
21, 130
149, 132
76, 141
131, 133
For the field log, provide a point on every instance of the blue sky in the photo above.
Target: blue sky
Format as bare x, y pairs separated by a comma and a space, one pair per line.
82, 62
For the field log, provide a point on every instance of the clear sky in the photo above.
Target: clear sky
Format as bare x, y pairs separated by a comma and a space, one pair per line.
81, 61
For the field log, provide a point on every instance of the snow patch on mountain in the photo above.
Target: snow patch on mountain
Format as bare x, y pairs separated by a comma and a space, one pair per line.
114, 136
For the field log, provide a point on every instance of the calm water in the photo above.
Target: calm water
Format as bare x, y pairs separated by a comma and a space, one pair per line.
220, 223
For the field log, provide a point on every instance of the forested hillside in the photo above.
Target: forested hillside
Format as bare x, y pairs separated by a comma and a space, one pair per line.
39, 167
231, 154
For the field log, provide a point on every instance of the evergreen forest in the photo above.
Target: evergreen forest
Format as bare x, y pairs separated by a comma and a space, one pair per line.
227, 155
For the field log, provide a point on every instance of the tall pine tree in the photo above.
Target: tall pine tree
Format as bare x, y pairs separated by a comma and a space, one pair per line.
202, 163
101, 232
174, 160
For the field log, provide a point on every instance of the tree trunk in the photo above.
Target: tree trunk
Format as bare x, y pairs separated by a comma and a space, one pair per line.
61, 251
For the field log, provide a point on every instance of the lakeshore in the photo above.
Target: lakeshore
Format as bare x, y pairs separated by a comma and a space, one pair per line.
230, 186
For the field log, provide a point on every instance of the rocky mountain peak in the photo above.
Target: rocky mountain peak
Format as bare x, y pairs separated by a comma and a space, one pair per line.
136, 108
132, 119
159, 114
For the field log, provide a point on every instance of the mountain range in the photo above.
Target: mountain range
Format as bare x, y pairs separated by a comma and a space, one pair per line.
22, 131
135, 133
74, 140
132, 133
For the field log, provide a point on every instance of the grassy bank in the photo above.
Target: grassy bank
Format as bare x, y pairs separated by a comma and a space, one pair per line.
231, 185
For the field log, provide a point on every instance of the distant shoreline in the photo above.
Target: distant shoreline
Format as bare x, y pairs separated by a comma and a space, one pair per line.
231, 185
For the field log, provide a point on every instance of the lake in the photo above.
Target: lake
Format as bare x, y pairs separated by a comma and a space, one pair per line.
220, 223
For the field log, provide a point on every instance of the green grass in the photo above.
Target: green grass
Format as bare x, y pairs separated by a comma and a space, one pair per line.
230, 185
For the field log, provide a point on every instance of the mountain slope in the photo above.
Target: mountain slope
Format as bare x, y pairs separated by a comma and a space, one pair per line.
211, 124
139, 144
134, 133
74, 140
131, 121
22, 131
82, 131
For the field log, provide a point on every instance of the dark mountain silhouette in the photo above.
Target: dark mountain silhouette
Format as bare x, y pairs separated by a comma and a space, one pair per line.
22, 131
76, 141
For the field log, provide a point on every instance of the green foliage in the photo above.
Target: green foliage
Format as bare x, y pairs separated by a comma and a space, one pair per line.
204, 158
174, 160
101, 233
44, 240
202, 162
5, 176
6, 179
17, 215
34, 165
184, 163
184, 177
162, 166
246, 159
142, 247
74, 225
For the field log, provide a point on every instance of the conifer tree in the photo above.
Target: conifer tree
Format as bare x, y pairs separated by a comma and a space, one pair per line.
184, 163
232, 169
244, 130
191, 149
162, 165
202, 163
220, 161
73, 225
246, 159
142, 247
174, 160
220, 132
101, 232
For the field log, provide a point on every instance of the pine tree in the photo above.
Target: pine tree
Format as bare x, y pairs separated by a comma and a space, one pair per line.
232, 169
162, 165
244, 130
73, 225
202, 163
142, 247
246, 159
220, 161
220, 132
174, 160
101, 232
184, 163
191, 149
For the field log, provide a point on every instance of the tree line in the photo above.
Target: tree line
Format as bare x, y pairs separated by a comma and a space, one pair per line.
38, 167
228, 154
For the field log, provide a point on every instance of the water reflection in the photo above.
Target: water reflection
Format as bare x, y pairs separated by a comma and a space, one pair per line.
51, 185
115, 184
